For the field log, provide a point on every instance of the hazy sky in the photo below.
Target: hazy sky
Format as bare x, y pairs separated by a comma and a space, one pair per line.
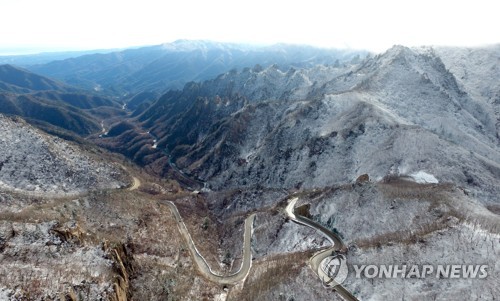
375, 25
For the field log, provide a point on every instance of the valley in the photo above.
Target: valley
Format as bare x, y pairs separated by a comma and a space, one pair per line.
209, 171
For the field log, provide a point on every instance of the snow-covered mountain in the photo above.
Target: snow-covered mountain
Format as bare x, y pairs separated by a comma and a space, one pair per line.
398, 154
399, 113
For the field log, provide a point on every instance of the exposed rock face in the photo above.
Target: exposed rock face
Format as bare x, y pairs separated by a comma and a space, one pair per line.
472, 69
418, 122
398, 113
31, 161
362, 179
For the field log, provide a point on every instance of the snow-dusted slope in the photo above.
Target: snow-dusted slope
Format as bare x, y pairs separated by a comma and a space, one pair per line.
402, 112
32, 161
403, 222
477, 70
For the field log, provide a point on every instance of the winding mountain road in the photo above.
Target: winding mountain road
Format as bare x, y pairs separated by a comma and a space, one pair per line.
200, 261
242, 273
315, 261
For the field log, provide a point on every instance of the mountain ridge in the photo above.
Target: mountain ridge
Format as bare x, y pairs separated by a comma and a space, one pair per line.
23, 81
397, 154
214, 129
166, 66
33, 96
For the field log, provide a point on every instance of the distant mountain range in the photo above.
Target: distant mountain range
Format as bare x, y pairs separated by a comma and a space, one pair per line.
46, 57
170, 66
35, 97
66, 92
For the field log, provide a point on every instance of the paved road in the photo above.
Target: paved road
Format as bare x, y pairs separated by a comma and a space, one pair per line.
337, 243
337, 246
202, 264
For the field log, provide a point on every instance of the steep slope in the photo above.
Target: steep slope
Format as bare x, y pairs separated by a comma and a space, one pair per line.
68, 232
140, 99
393, 154
78, 100
161, 67
41, 99
17, 80
252, 85
471, 66
32, 161
181, 117
52, 112
399, 113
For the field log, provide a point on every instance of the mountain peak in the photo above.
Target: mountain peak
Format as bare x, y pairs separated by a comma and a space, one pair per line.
399, 50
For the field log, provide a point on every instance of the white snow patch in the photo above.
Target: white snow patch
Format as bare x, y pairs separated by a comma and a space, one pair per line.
5, 293
422, 177
220, 297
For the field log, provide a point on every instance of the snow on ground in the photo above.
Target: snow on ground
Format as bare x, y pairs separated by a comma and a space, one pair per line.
422, 177
35, 253
412, 224
5, 293
220, 297
459, 245
32, 161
